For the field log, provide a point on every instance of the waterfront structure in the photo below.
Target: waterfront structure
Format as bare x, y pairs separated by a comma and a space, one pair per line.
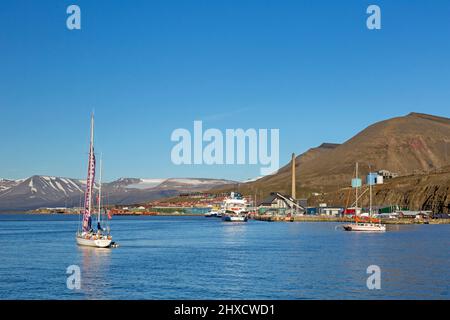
330, 211
281, 203
276, 201
413, 214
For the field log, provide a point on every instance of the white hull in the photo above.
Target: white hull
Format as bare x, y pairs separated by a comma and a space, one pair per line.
365, 227
211, 214
235, 218
99, 243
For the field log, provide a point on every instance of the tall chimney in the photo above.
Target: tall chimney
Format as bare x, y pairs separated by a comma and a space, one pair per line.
293, 176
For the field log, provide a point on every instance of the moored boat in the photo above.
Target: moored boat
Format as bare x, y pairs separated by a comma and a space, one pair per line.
214, 212
211, 214
234, 218
367, 223
367, 227
234, 208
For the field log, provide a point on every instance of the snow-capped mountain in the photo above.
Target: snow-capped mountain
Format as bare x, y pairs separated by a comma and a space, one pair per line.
133, 190
5, 184
46, 191
38, 191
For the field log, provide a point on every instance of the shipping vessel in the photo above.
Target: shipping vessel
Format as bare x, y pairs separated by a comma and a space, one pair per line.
234, 208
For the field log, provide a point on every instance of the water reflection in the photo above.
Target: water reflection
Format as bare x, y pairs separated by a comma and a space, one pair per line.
234, 228
95, 267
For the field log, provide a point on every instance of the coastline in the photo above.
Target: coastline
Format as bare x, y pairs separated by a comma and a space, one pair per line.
344, 220
264, 218
117, 215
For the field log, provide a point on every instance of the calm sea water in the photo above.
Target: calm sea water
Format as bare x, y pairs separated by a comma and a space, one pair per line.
205, 258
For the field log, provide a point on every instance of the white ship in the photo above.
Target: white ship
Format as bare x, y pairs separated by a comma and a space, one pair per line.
234, 208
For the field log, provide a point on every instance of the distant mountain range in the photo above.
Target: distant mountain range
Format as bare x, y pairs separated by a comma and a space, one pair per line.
45, 191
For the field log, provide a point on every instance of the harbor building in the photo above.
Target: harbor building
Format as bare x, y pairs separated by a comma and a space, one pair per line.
276, 201
330, 211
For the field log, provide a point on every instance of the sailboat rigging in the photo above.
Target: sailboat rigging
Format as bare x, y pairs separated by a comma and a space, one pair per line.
370, 225
87, 236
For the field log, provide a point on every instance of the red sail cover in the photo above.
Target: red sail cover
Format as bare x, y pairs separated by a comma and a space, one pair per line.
89, 191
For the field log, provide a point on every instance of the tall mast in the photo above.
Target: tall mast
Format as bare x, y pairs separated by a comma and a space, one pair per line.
100, 189
356, 189
89, 182
91, 155
370, 190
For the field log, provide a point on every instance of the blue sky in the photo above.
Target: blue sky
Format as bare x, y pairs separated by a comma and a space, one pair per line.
310, 68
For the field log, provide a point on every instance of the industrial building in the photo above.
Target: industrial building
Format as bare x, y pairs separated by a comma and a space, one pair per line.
386, 174
380, 177
284, 204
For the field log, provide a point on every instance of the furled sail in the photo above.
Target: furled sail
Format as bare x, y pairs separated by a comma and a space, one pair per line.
89, 183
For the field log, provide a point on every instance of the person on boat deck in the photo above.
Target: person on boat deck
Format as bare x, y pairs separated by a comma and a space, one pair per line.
99, 229
90, 224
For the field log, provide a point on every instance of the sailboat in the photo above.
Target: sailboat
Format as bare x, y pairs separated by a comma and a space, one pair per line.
371, 224
87, 236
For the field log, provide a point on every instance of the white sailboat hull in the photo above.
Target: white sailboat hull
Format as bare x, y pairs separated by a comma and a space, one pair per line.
98, 243
365, 227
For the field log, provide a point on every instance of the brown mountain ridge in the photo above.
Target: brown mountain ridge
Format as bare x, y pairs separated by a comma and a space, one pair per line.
413, 145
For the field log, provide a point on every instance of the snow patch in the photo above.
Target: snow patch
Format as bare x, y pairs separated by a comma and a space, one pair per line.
146, 184
192, 181
253, 179
32, 188
60, 187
